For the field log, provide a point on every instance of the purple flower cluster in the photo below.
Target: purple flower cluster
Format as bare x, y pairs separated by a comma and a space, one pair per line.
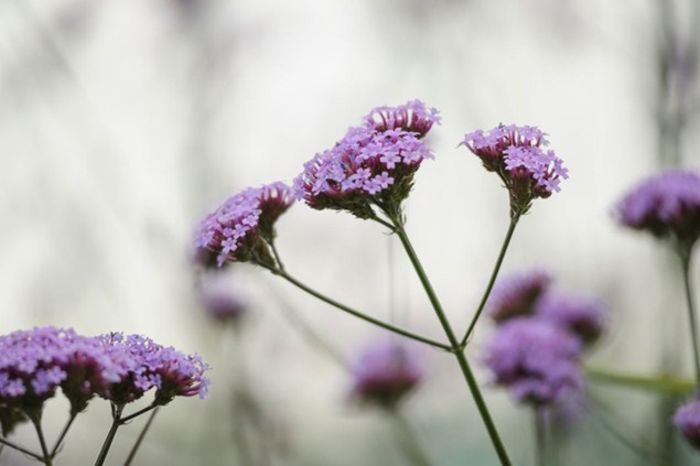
384, 373
239, 230
519, 156
35, 363
541, 333
222, 304
372, 164
665, 205
687, 419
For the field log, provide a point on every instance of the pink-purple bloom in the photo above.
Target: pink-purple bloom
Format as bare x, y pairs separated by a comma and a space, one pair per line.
223, 305
666, 205
241, 228
35, 363
516, 294
583, 316
372, 165
520, 157
687, 419
536, 360
384, 373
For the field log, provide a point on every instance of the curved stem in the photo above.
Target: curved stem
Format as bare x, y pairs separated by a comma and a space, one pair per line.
408, 438
685, 264
349, 310
487, 292
457, 349
280, 264
139, 440
27, 452
661, 383
62, 436
47, 459
116, 422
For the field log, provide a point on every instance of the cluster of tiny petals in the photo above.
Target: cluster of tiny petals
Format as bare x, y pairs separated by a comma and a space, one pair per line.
369, 160
665, 205
518, 153
536, 360
687, 419
243, 218
35, 363
581, 315
385, 372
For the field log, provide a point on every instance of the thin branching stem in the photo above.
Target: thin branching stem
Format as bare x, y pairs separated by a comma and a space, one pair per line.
116, 422
139, 439
20, 449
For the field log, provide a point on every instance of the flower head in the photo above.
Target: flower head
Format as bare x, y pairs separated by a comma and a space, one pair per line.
239, 230
516, 294
687, 419
665, 205
222, 305
372, 165
519, 156
536, 360
583, 316
384, 373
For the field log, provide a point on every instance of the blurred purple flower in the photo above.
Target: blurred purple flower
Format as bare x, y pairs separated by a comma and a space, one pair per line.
687, 419
516, 294
239, 229
223, 305
583, 316
384, 373
536, 360
517, 154
666, 205
371, 165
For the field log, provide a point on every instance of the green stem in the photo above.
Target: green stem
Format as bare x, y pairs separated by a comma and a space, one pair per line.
685, 264
540, 422
457, 349
116, 422
47, 459
27, 452
62, 436
663, 384
139, 440
408, 439
487, 292
349, 310
130, 417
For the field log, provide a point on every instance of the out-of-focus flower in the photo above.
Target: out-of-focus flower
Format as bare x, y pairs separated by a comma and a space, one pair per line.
536, 360
372, 165
384, 373
665, 205
239, 230
583, 316
516, 294
687, 419
223, 305
518, 155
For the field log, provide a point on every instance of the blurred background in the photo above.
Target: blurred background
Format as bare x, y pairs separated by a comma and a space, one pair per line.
122, 123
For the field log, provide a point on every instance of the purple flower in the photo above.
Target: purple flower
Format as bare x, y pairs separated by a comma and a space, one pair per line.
371, 165
223, 305
238, 231
665, 205
518, 155
536, 360
687, 419
384, 373
583, 316
516, 294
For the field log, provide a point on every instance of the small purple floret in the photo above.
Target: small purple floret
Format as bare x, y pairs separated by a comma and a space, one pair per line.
516, 294
583, 316
687, 419
665, 205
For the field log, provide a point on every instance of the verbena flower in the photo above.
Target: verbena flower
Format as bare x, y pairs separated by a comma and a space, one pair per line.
536, 360
519, 156
384, 373
372, 165
583, 316
239, 230
687, 419
223, 305
35, 363
516, 294
665, 205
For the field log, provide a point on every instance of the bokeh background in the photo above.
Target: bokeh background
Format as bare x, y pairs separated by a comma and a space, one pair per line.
123, 122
